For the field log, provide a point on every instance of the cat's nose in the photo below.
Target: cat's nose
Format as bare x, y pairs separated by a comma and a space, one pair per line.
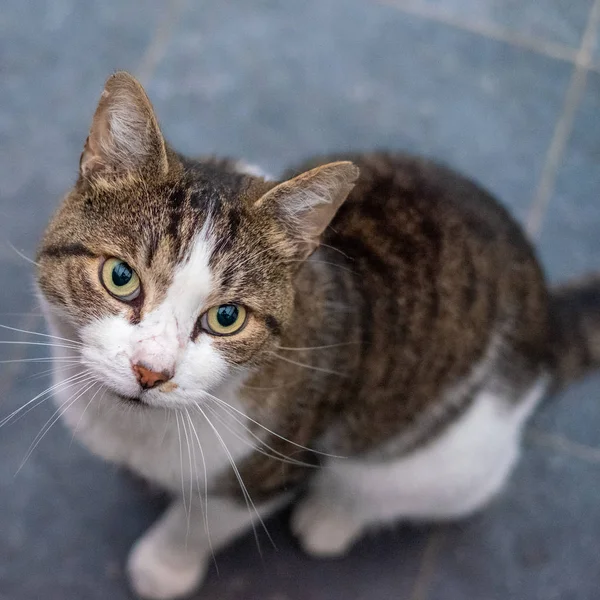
148, 378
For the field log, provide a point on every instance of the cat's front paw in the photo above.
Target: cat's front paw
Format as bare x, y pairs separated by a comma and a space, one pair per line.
324, 529
158, 573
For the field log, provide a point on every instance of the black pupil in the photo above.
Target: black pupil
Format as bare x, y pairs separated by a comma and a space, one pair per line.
227, 314
122, 274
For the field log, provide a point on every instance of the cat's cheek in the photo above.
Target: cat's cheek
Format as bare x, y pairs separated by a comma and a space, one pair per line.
107, 353
202, 368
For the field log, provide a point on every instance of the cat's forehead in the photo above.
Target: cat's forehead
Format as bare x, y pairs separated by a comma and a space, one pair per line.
143, 216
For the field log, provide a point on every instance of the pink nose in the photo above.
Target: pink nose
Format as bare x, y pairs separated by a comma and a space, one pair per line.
148, 378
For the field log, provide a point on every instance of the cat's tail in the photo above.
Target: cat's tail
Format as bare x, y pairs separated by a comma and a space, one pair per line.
576, 344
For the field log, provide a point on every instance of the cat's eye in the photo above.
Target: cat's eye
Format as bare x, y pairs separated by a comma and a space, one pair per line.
120, 280
225, 319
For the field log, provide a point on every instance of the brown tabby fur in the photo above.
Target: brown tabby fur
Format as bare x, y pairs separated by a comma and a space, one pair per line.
418, 274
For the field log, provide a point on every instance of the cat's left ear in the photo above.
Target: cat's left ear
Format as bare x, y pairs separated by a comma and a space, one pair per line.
124, 137
306, 204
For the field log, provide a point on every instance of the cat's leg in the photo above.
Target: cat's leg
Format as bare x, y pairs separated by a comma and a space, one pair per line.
451, 477
171, 558
347, 499
323, 521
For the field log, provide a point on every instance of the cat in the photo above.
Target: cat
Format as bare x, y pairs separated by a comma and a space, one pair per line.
372, 331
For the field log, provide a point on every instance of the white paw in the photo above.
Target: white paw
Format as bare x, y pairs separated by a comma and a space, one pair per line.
323, 528
159, 573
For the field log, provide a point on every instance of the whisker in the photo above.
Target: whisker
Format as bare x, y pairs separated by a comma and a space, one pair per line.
313, 368
48, 371
85, 409
167, 420
276, 456
181, 461
38, 344
187, 440
48, 390
246, 494
318, 347
195, 468
54, 337
205, 511
195, 471
241, 413
325, 262
269, 389
41, 359
42, 400
29, 260
335, 249
54, 419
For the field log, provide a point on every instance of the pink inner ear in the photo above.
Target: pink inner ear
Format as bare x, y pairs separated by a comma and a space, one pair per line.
307, 203
124, 135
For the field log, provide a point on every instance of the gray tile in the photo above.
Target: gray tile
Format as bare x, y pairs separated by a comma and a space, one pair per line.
18, 309
25, 211
560, 21
274, 81
54, 58
387, 563
538, 541
596, 49
569, 243
17, 291
573, 412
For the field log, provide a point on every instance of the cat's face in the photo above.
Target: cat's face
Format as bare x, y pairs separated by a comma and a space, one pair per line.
176, 276
181, 279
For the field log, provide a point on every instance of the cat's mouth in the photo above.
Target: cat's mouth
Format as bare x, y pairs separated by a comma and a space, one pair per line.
139, 398
131, 399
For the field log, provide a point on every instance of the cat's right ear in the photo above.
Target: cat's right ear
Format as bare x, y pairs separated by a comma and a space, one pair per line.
306, 204
124, 137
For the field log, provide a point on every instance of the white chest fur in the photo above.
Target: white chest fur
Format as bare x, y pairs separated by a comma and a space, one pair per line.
173, 448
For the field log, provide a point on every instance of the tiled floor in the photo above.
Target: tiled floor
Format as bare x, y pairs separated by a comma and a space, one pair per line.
506, 90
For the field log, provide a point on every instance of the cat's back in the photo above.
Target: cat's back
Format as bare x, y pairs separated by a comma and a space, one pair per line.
418, 221
437, 275
425, 227
405, 193
423, 213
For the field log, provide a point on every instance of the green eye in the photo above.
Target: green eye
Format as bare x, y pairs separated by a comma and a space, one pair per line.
225, 319
120, 280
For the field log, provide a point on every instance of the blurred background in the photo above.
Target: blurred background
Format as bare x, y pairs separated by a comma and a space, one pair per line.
507, 91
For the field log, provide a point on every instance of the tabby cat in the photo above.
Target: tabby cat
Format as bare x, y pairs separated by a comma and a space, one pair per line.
372, 332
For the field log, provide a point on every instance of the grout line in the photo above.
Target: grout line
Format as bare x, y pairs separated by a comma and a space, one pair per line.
564, 126
564, 445
424, 578
489, 30
158, 45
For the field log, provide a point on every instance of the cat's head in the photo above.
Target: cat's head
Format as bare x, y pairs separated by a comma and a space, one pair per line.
176, 275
